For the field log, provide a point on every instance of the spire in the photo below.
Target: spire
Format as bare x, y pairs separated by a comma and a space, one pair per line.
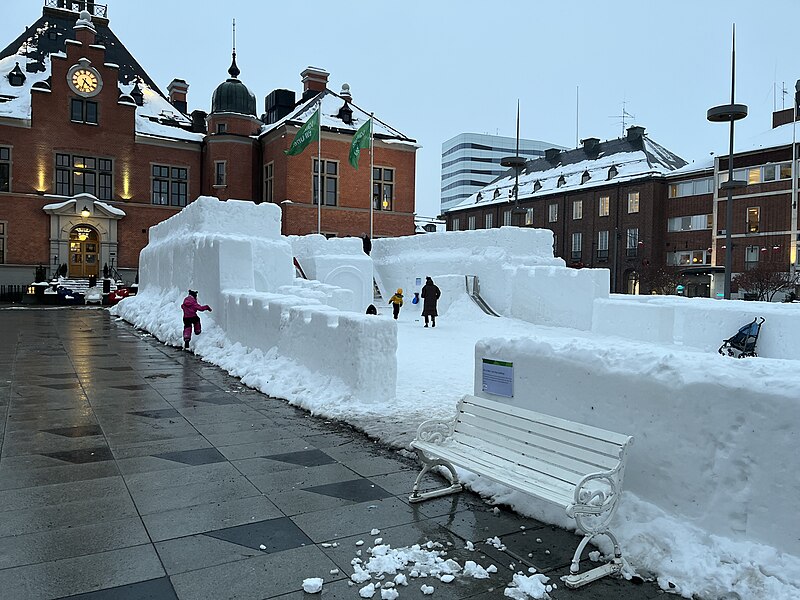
234, 70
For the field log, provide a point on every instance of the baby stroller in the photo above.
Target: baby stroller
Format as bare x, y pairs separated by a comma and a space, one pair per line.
744, 342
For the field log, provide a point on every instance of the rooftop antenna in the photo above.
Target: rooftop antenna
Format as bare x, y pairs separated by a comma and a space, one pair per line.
783, 95
577, 112
624, 116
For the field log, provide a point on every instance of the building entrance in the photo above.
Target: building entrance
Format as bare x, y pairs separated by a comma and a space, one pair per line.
84, 249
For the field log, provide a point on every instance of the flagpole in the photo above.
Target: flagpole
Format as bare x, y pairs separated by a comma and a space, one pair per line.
371, 153
319, 168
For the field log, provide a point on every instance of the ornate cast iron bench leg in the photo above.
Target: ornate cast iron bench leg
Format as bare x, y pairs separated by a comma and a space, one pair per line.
427, 465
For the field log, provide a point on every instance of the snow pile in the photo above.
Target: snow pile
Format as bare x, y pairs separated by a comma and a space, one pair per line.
313, 585
533, 586
264, 329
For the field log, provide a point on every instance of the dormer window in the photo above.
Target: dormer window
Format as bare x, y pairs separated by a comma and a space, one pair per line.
612, 172
537, 185
16, 77
496, 194
346, 114
585, 177
561, 181
479, 198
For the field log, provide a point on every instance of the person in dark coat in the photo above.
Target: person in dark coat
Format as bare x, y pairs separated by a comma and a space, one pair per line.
430, 296
367, 244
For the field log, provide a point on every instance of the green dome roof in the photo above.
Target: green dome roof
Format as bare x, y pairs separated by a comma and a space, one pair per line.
233, 96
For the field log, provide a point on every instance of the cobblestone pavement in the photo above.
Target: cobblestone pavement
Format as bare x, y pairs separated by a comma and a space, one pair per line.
133, 471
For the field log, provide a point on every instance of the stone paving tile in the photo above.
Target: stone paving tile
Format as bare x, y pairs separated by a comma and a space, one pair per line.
163, 529
70, 576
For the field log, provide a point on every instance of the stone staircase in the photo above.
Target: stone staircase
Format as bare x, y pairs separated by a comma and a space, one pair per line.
80, 285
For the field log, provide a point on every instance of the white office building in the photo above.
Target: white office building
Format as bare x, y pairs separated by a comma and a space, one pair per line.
471, 160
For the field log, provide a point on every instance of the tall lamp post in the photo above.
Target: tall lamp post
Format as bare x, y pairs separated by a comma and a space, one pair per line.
720, 114
794, 245
517, 163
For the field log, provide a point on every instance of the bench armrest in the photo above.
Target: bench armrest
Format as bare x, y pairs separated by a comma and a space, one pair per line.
435, 431
593, 507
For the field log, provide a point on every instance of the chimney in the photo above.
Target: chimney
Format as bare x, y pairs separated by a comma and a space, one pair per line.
178, 89
590, 145
551, 154
278, 104
84, 29
314, 79
634, 133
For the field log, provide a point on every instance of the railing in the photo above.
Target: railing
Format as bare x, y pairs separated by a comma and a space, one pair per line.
96, 10
12, 293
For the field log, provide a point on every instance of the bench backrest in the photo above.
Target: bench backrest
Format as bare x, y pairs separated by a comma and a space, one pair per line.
534, 441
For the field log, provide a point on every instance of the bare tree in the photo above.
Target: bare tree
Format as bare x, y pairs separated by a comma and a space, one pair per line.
766, 279
659, 279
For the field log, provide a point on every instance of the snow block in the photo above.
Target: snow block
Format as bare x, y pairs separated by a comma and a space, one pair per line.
556, 296
713, 436
635, 320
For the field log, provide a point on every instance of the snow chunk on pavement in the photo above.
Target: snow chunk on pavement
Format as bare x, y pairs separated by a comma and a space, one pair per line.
389, 594
368, 591
473, 569
312, 585
426, 589
523, 587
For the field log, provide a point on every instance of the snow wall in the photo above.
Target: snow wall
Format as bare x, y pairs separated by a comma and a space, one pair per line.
518, 274
714, 436
700, 323
233, 254
339, 262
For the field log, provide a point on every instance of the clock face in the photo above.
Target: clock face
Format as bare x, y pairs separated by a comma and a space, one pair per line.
84, 81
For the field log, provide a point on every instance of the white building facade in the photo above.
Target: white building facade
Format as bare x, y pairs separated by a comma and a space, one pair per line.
471, 160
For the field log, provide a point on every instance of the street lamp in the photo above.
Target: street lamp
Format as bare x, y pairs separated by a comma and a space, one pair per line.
517, 163
720, 114
793, 244
85, 212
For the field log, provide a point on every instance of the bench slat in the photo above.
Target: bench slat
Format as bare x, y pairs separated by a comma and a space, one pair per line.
563, 424
530, 453
489, 417
531, 443
550, 489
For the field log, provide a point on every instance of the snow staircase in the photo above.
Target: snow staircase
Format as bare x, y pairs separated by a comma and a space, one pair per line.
473, 291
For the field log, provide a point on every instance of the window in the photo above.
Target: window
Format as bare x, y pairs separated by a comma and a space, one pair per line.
537, 185
506, 217
487, 221
577, 209
3, 226
382, 188
330, 180
83, 111
222, 127
751, 257
561, 181
456, 224
269, 179
690, 223
219, 173
585, 177
602, 245
5, 169
603, 206
577, 243
753, 175
471, 222
633, 202
528, 216
691, 188
632, 245
684, 258
84, 175
169, 185
552, 215
753, 214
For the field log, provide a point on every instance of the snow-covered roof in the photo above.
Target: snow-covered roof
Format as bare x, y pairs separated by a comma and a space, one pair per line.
696, 166
34, 50
616, 160
331, 103
772, 138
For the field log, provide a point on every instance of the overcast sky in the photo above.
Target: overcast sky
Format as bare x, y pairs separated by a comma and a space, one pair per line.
436, 68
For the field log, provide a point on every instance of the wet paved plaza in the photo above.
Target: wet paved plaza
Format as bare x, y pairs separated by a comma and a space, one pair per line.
131, 471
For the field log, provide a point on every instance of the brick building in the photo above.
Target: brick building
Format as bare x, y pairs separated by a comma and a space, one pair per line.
92, 153
605, 203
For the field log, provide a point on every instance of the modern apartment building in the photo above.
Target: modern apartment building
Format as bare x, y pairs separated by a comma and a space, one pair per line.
471, 160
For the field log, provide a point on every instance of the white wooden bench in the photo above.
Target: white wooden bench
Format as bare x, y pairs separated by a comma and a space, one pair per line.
576, 466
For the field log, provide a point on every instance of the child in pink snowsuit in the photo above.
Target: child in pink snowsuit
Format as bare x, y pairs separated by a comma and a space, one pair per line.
190, 308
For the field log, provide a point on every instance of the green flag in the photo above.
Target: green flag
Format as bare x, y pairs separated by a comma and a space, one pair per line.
361, 139
307, 134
